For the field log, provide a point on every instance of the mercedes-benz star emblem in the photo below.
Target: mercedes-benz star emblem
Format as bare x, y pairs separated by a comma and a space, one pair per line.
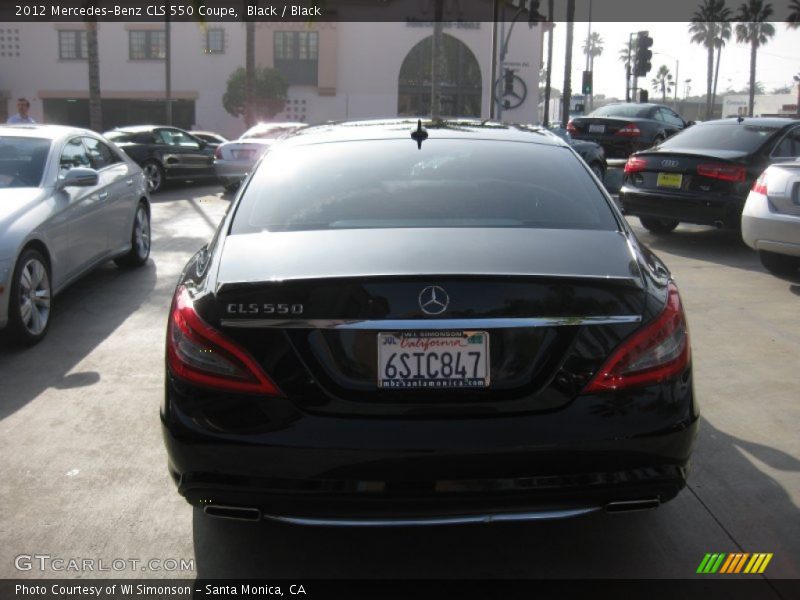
433, 300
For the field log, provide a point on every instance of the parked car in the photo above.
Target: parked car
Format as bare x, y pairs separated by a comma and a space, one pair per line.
165, 153
771, 216
69, 201
234, 160
703, 175
209, 137
592, 153
625, 127
408, 323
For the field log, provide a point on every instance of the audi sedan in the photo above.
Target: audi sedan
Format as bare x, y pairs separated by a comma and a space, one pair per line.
69, 201
704, 174
401, 322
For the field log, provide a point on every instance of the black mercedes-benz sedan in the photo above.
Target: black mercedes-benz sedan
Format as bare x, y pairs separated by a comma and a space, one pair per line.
625, 127
704, 174
403, 322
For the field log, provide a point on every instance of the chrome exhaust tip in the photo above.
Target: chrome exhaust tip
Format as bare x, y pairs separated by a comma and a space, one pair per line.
631, 505
236, 513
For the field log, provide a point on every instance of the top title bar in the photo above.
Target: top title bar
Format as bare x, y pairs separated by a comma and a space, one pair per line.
355, 10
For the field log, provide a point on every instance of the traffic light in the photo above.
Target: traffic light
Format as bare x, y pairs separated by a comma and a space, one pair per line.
508, 80
641, 64
586, 87
534, 16
644, 96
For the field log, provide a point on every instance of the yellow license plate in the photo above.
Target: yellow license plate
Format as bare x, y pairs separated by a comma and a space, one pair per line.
669, 180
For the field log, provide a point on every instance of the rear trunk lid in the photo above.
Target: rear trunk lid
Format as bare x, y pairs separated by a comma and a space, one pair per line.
550, 313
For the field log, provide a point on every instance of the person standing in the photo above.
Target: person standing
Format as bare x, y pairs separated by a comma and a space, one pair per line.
22, 116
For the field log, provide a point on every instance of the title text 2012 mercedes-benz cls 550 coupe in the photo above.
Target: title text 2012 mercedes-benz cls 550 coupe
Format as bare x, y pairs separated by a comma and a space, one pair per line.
401, 322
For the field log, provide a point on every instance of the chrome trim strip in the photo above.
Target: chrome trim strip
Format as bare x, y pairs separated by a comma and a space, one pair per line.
416, 521
422, 324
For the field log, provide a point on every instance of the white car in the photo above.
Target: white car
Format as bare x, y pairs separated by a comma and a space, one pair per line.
771, 218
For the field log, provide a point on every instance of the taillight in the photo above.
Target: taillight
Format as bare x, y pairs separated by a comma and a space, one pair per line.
760, 184
655, 353
630, 130
635, 164
218, 152
719, 171
571, 129
199, 354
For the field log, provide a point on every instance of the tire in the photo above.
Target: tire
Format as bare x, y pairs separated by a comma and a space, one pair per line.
140, 240
154, 175
658, 226
30, 302
779, 264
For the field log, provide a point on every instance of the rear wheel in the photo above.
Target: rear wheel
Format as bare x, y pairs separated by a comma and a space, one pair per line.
780, 264
658, 225
30, 301
140, 240
154, 174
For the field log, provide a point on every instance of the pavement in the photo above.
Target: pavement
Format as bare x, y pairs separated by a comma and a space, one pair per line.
84, 469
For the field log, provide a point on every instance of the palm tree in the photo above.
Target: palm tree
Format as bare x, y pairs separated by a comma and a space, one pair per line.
662, 82
593, 46
724, 35
793, 20
93, 58
706, 30
752, 28
626, 54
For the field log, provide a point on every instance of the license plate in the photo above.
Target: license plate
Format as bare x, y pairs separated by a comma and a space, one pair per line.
597, 128
242, 154
433, 359
669, 180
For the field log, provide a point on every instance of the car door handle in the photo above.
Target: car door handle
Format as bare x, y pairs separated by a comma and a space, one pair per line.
129, 181
103, 195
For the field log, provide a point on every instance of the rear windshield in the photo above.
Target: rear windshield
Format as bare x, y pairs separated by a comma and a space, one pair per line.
268, 133
622, 110
722, 135
448, 183
22, 161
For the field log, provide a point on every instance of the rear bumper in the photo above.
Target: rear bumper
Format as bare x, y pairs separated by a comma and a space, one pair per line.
595, 451
763, 229
232, 170
688, 208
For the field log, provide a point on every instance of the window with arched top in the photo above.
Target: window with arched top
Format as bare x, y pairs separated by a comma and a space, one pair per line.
459, 80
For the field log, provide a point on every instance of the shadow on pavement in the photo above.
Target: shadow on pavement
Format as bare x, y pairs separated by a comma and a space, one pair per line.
668, 542
721, 246
84, 315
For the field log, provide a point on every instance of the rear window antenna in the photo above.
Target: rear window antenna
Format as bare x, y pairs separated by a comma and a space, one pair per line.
420, 135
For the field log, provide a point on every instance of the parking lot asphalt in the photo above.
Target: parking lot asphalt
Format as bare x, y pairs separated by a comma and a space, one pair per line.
84, 470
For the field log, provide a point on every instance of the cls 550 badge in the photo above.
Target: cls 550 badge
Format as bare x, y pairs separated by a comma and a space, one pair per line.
265, 309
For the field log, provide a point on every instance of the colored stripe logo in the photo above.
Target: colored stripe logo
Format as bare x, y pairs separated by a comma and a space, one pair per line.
736, 562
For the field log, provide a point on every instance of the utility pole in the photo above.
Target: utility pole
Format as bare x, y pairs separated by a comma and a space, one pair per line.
548, 77
436, 63
588, 58
568, 64
168, 65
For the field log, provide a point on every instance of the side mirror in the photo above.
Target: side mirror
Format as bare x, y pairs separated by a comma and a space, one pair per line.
78, 177
689, 123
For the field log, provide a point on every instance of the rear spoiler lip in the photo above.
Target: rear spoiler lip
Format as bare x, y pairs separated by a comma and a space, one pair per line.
615, 280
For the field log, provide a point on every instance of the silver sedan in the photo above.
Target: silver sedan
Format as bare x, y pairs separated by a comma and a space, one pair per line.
771, 218
69, 201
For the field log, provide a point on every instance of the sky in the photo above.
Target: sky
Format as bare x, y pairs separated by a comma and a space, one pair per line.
777, 61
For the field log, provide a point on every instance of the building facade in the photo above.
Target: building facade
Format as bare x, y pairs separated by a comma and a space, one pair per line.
337, 70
